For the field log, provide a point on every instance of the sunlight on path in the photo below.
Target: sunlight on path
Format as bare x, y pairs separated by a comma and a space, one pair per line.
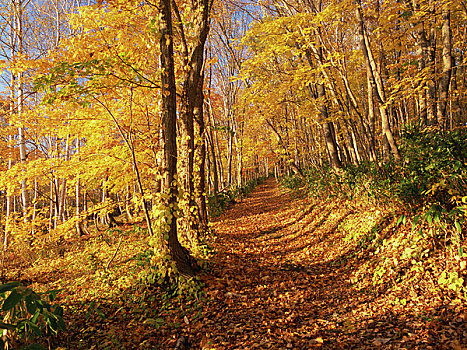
281, 279
264, 296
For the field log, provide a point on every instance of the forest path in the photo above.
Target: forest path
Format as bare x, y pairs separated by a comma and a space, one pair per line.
269, 291
289, 274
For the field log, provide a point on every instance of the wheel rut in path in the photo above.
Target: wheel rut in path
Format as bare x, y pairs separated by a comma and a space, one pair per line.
263, 296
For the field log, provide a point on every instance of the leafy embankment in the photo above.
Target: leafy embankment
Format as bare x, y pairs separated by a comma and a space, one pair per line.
105, 284
304, 272
112, 296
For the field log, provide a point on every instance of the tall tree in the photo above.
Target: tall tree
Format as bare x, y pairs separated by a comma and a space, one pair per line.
169, 117
191, 107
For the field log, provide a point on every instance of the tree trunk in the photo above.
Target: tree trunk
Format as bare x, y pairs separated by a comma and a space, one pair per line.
239, 150
214, 163
294, 166
18, 33
192, 102
424, 47
376, 82
200, 156
447, 68
190, 218
327, 128
229, 151
169, 117
326, 125
219, 164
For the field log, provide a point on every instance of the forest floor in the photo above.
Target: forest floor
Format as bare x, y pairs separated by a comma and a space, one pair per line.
286, 272
282, 280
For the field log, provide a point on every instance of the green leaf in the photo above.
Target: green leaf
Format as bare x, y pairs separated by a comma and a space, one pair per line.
9, 286
31, 305
35, 329
458, 226
52, 323
28, 327
429, 219
13, 299
36, 316
401, 220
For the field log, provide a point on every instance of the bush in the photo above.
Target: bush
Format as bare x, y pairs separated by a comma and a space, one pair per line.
431, 181
434, 172
217, 204
435, 168
26, 314
292, 182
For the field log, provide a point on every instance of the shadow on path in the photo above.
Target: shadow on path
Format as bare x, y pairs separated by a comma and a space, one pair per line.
268, 295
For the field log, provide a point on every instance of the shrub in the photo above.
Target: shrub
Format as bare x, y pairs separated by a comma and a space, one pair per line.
292, 182
217, 203
27, 314
435, 167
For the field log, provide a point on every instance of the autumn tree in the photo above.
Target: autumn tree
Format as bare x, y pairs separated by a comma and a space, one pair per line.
402, 49
107, 115
192, 27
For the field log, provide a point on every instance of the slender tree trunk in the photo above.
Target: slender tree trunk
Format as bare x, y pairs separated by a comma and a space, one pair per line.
52, 202
63, 190
371, 119
200, 156
326, 125
294, 166
376, 82
229, 150
79, 227
34, 209
214, 163
127, 203
424, 42
447, 68
239, 151
218, 157
20, 105
327, 128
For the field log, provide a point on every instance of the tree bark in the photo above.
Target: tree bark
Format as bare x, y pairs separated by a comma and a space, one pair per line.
447, 68
200, 156
169, 117
193, 59
327, 127
376, 82
214, 163
18, 4
294, 166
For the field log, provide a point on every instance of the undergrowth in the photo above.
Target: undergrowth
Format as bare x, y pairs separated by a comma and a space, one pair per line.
425, 198
218, 203
98, 275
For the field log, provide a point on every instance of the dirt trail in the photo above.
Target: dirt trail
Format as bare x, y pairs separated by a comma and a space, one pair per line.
264, 296
281, 279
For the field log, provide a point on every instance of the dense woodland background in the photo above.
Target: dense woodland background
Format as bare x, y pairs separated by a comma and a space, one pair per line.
152, 117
